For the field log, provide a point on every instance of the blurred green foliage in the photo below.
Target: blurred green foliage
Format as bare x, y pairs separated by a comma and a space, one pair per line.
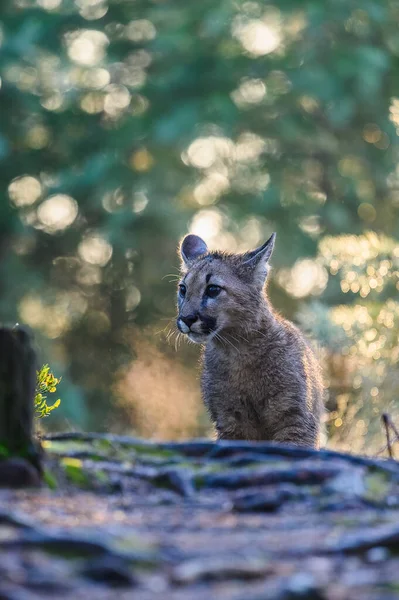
123, 124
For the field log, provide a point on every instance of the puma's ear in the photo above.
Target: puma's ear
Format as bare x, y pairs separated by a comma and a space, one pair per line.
258, 259
192, 247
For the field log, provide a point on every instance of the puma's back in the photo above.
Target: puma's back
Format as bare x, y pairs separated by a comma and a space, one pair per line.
260, 379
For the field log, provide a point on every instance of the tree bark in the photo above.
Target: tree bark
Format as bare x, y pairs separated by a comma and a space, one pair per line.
19, 453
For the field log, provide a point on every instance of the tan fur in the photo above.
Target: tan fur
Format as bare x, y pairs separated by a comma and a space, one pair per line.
260, 379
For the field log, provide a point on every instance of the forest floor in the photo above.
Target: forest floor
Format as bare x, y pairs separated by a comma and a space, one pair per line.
199, 520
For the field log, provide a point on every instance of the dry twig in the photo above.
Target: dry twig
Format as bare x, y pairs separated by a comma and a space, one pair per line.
389, 424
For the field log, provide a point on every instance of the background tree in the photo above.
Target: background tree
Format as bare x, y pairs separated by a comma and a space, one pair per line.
125, 124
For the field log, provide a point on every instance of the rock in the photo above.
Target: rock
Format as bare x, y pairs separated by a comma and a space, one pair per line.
301, 475
260, 501
300, 586
224, 448
349, 483
219, 568
65, 545
110, 571
336, 504
18, 473
244, 459
18, 521
196, 448
47, 583
178, 480
377, 554
385, 536
14, 595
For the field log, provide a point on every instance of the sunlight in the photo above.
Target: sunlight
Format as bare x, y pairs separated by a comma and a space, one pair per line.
205, 151
31, 311
49, 4
133, 297
158, 395
394, 111
52, 101
95, 78
251, 234
370, 343
367, 212
228, 163
210, 188
365, 263
251, 91
372, 133
307, 277
38, 137
53, 317
92, 103
207, 223
116, 100
311, 225
249, 147
141, 160
95, 250
140, 201
113, 201
89, 275
212, 225
98, 322
86, 46
256, 36
140, 30
57, 212
346, 316
24, 191
92, 9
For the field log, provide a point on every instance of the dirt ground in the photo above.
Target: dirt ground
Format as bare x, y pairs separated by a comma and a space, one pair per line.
200, 520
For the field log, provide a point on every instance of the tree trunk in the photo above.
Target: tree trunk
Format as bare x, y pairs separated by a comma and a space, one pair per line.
19, 454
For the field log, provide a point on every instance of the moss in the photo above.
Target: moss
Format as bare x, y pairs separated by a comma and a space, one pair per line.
73, 469
377, 486
50, 479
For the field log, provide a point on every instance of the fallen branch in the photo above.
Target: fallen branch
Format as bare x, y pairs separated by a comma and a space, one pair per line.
223, 451
387, 433
389, 424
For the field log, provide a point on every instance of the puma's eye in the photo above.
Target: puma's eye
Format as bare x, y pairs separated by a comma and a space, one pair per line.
182, 290
213, 290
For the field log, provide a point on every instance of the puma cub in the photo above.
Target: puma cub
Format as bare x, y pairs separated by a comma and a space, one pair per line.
260, 379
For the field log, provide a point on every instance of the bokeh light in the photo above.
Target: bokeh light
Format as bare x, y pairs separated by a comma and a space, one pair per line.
57, 212
127, 125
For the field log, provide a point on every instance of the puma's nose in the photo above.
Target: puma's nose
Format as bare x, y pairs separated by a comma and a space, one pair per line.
184, 323
189, 320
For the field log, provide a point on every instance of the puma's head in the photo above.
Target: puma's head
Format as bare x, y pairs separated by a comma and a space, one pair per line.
220, 292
